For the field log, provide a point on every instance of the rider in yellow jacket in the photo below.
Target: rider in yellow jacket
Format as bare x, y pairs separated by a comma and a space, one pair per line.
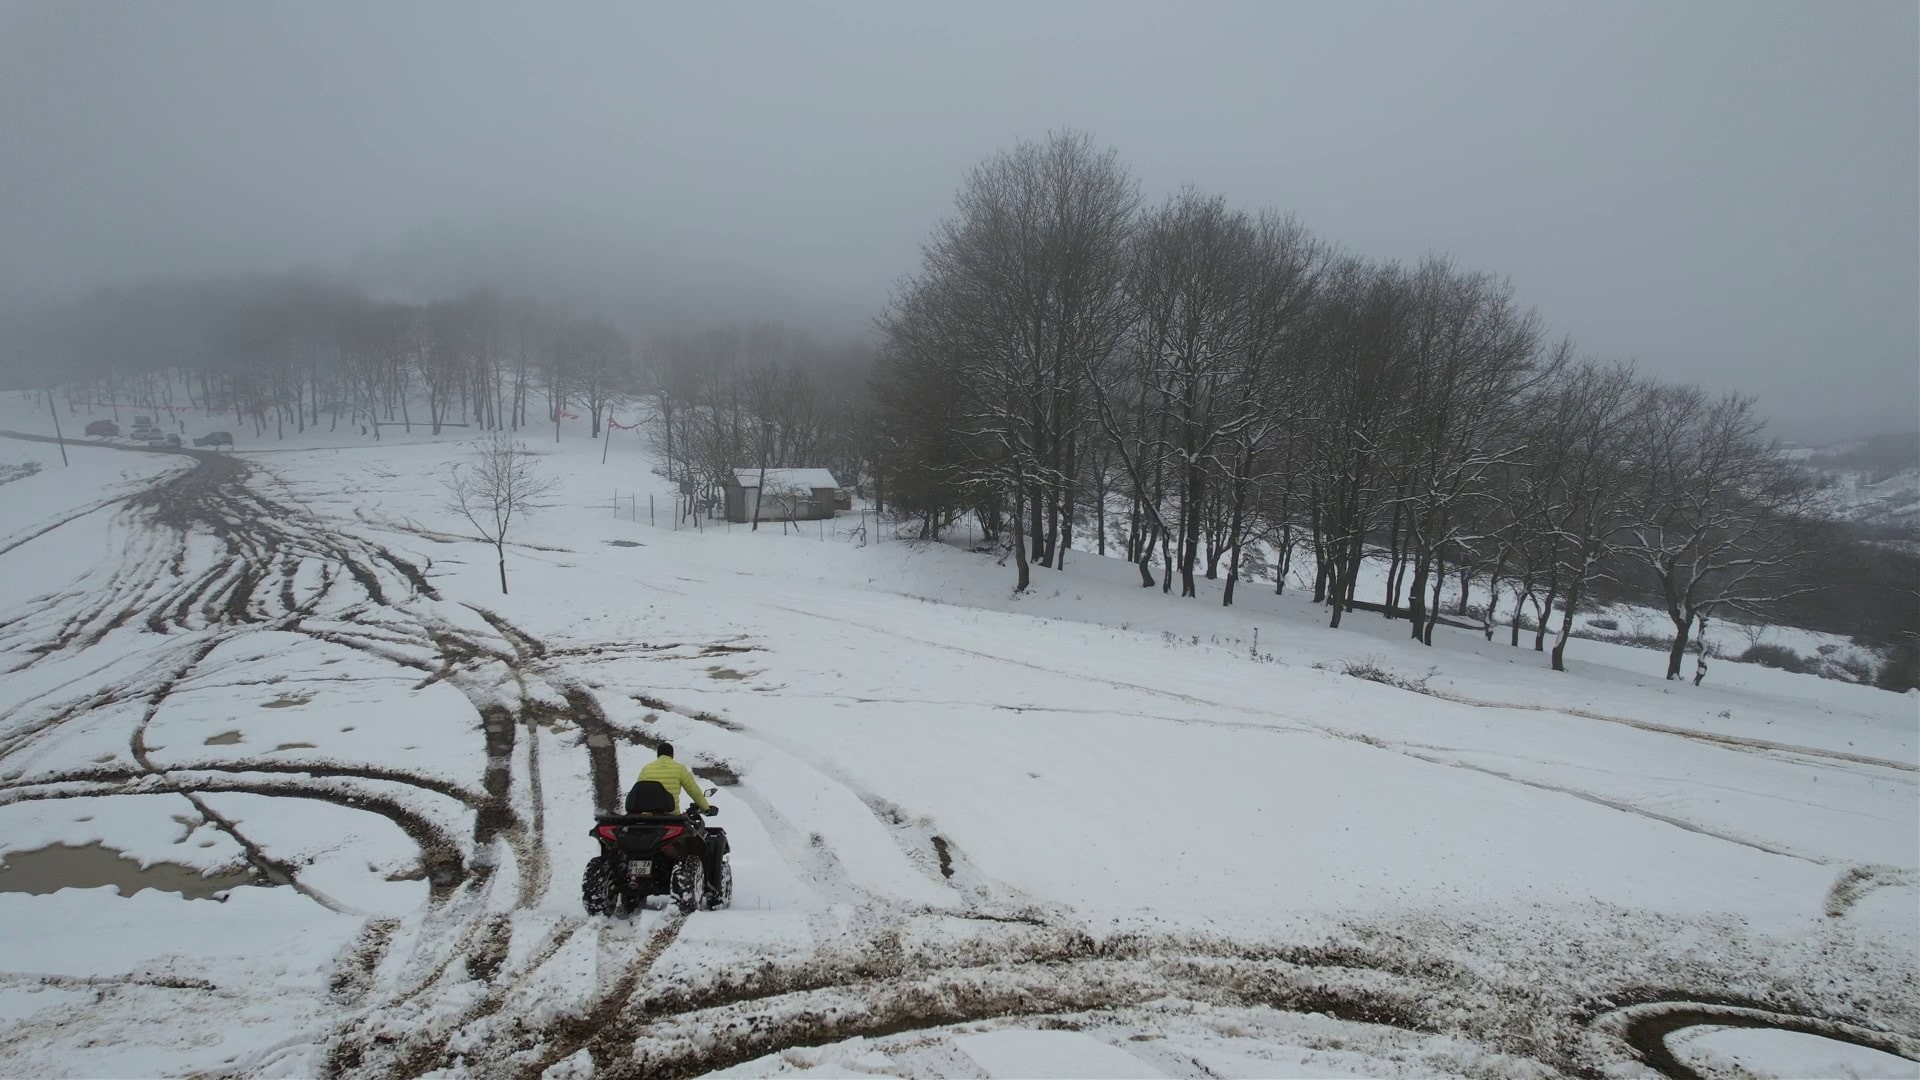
675, 777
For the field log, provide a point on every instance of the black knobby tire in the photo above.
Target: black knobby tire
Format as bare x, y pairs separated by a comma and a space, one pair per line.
598, 889
721, 893
689, 884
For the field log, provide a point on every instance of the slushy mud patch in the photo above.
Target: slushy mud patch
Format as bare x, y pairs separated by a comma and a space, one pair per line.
89, 866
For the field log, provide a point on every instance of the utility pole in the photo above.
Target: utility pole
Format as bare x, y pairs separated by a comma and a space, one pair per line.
760, 493
54, 408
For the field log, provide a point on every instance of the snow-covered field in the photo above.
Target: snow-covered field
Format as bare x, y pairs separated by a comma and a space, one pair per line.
1088, 831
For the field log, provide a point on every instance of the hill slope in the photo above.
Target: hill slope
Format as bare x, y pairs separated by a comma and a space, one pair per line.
1091, 827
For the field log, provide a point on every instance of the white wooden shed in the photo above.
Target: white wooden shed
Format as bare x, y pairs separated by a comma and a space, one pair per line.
790, 495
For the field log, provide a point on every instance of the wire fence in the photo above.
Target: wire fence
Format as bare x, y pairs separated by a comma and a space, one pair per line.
859, 527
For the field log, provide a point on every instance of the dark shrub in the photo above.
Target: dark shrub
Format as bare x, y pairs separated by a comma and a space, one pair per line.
1901, 671
1776, 656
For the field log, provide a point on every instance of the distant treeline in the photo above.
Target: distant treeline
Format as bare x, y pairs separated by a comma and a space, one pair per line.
1233, 386
290, 352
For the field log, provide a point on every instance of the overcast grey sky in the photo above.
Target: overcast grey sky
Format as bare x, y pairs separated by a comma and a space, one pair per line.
1726, 192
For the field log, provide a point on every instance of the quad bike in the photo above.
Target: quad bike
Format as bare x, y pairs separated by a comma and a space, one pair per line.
657, 854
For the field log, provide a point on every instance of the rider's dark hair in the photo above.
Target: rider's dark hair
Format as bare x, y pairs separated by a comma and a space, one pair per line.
665, 749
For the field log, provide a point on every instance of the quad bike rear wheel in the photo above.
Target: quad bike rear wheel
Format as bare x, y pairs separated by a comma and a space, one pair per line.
689, 884
600, 889
597, 888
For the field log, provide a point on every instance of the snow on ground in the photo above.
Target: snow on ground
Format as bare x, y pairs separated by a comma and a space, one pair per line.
1087, 830
1786, 1055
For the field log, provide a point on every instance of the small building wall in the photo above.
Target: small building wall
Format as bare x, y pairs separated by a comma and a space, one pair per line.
809, 504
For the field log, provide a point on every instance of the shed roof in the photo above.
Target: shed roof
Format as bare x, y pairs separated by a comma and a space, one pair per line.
786, 479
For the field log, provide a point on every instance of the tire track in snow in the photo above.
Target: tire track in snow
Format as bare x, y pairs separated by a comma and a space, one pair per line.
260, 548
1391, 747
1737, 742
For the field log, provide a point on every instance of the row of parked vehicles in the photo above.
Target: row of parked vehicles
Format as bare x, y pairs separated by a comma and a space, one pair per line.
145, 431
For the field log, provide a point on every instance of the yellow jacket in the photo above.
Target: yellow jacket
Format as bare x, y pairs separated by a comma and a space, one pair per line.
674, 776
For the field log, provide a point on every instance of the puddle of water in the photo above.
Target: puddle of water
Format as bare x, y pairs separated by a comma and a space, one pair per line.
89, 866
624, 543
287, 701
225, 738
292, 746
724, 673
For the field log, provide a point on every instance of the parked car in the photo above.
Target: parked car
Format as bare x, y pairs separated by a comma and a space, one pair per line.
105, 428
215, 438
172, 441
145, 434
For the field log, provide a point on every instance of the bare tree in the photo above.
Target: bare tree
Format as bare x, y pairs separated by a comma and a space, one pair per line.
1720, 512
1471, 359
601, 360
1019, 292
493, 487
1583, 443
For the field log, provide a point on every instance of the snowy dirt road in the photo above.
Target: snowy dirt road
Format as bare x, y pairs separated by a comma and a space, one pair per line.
409, 776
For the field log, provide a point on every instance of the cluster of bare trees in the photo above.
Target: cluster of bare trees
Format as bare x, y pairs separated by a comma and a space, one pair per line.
1216, 390
295, 352
760, 395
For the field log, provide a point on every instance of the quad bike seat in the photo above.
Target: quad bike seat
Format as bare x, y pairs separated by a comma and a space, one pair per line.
650, 797
662, 818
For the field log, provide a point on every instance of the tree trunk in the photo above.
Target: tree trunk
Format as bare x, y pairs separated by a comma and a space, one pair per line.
1024, 576
1546, 612
1190, 548
1283, 560
1433, 606
1038, 527
501, 550
1233, 539
1682, 626
1397, 565
1416, 596
1567, 609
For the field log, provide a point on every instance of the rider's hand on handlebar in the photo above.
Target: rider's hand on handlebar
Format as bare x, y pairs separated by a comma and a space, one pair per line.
711, 809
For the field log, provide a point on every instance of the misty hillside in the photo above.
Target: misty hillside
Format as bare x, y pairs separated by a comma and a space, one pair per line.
1874, 481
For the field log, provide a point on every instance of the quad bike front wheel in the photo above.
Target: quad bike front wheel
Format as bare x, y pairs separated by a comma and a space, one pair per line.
720, 892
689, 884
